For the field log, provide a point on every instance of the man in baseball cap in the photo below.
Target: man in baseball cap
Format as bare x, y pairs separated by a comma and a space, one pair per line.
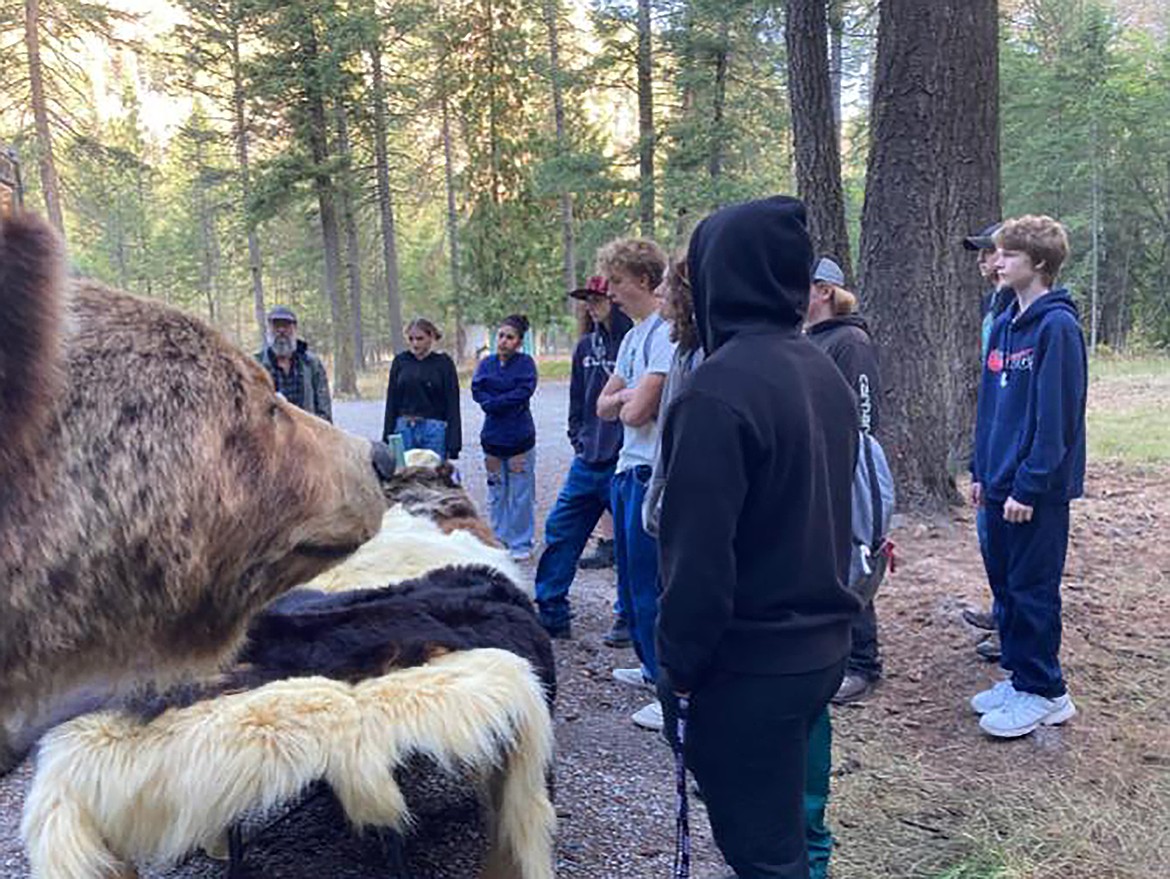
299, 374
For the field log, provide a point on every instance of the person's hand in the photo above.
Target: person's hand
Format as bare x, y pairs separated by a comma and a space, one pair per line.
976, 494
1015, 512
625, 395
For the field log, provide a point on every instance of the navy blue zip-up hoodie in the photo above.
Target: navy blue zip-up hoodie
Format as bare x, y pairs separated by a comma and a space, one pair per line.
595, 441
503, 390
1030, 429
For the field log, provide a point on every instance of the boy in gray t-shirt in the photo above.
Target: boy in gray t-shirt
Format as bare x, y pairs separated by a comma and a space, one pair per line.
634, 268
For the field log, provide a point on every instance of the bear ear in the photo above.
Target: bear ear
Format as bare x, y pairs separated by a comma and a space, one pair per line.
32, 293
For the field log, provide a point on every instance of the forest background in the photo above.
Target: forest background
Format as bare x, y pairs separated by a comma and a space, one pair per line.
364, 161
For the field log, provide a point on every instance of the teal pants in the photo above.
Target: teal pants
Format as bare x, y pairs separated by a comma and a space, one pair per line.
816, 795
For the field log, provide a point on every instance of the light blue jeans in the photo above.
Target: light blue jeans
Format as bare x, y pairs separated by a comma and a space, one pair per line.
511, 493
422, 433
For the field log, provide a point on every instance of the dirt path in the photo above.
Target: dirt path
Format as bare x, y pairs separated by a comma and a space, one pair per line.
918, 792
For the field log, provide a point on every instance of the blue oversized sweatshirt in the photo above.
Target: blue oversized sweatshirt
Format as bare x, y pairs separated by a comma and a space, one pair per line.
1030, 428
503, 390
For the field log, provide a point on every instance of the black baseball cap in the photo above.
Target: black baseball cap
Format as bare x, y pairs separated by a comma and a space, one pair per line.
282, 312
985, 240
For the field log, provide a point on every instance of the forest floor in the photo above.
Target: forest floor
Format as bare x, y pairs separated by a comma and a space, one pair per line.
918, 791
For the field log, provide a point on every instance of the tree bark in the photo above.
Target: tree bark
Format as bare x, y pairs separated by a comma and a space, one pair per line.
569, 260
345, 378
836, 13
815, 137
719, 102
386, 201
353, 252
50, 186
452, 226
933, 176
645, 122
240, 133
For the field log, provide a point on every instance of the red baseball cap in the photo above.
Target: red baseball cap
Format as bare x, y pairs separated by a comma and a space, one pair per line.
595, 286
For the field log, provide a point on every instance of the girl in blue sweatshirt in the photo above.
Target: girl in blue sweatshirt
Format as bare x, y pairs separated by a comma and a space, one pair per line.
1029, 463
503, 386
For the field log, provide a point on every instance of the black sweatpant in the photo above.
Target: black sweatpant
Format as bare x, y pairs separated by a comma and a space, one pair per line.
746, 744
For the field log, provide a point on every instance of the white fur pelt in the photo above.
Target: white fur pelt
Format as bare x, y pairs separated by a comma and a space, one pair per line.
110, 791
409, 546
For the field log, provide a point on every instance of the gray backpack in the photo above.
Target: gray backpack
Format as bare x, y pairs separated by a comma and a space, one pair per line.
872, 508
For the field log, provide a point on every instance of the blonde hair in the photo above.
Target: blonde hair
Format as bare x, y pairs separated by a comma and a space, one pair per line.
638, 256
1042, 238
842, 300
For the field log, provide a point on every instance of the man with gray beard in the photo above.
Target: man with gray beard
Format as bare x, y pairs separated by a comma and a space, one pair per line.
299, 375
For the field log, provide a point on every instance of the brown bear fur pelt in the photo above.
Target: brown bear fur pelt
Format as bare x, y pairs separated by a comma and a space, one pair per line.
435, 493
155, 491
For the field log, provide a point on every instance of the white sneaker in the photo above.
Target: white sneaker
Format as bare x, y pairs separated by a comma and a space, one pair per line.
993, 699
649, 717
633, 677
521, 555
1023, 712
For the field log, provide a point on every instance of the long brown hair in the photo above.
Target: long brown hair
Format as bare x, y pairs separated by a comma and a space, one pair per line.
681, 303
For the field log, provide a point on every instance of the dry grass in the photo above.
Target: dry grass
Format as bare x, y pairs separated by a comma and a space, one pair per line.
921, 792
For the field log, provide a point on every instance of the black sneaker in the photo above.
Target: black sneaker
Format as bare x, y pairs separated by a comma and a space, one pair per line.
980, 619
559, 633
989, 648
618, 634
602, 557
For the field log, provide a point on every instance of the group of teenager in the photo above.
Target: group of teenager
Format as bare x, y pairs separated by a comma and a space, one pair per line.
717, 402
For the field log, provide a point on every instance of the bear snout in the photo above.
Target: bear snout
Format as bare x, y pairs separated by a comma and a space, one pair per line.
383, 460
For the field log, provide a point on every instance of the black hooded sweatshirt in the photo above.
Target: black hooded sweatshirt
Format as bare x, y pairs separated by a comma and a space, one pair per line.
848, 341
759, 453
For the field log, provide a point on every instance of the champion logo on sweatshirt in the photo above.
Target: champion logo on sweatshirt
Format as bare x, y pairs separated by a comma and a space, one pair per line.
1017, 360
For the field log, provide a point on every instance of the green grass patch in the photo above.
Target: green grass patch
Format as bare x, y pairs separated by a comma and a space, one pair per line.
1105, 367
1140, 435
983, 866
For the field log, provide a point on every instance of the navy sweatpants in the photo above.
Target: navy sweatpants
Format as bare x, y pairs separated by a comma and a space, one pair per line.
1024, 565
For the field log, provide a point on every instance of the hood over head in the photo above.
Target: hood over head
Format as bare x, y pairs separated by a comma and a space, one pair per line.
749, 269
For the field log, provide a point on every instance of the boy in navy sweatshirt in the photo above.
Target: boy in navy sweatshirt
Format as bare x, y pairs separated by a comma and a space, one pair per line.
1029, 463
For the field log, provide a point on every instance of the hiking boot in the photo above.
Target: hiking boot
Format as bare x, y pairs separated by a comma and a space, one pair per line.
632, 677
601, 557
989, 648
992, 700
1023, 712
853, 688
618, 634
649, 717
980, 619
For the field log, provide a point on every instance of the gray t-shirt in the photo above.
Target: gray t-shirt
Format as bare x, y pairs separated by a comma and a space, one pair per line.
645, 349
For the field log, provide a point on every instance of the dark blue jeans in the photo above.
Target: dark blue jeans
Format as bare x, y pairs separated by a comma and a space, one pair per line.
636, 553
583, 498
1024, 566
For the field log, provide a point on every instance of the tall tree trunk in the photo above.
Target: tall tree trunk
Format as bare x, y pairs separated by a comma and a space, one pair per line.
568, 257
719, 102
815, 138
452, 225
836, 12
645, 122
386, 201
318, 132
353, 251
50, 186
242, 159
933, 176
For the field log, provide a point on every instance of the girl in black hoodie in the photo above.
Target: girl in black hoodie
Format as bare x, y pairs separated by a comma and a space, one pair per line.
834, 325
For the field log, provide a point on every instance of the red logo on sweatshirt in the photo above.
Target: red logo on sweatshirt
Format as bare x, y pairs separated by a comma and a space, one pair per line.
995, 360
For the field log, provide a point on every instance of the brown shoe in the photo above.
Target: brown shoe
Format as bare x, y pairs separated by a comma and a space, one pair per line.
980, 619
853, 688
989, 648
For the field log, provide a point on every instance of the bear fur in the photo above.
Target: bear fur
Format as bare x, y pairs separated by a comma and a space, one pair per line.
155, 491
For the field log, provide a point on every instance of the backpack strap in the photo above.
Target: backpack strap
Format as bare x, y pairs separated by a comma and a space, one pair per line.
875, 492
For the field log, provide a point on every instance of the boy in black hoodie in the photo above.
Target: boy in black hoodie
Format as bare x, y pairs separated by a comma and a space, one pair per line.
586, 492
1029, 463
754, 617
